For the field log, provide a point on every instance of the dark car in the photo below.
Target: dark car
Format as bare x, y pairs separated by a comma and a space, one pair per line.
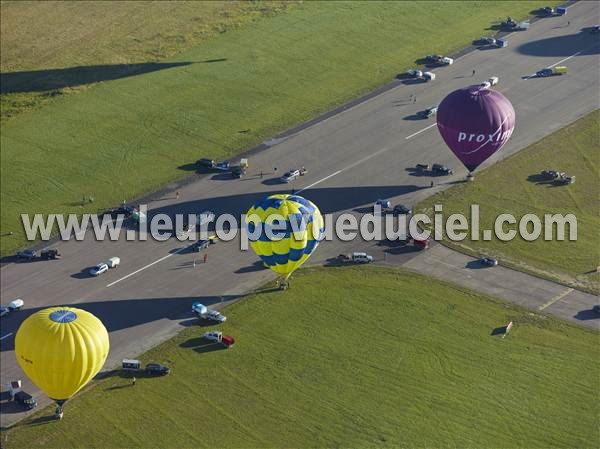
544, 72
402, 209
596, 309
156, 369
28, 254
508, 23
441, 170
25, 399
237, 171
550, 174
200, 245
50, 254
429, 112
547, 10
205, 163
488, 261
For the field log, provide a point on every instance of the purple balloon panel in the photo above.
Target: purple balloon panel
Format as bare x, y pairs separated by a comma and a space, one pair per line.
475, 123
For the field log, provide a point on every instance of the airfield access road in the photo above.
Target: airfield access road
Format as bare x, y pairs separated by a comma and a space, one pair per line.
353, 158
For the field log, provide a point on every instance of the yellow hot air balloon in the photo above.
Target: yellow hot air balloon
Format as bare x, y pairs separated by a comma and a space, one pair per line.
61, 349
296, 227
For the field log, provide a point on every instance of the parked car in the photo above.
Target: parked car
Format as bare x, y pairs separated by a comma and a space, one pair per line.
565, 179
200, 245
157, 369
433, 58
493, 80
402, 209
485, 85
429, 112
414, 73
214, 315
27, 254
360, 257
428, 76
98, 269
199, 308
16, 304
290, 175
50, 254
205, 163
551, 71
25, 399
223, 165
596, 309
422, 243
237, 171
441, 170
384, 204
550, 174
488, 261
131, 365
547, 11
486, 40
218, 337
508, 23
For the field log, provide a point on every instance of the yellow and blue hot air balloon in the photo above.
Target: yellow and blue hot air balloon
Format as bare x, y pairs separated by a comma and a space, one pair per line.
284, 230
61, 349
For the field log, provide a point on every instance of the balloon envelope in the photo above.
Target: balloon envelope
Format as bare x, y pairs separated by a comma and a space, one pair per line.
61, 349
284, 230
475, 123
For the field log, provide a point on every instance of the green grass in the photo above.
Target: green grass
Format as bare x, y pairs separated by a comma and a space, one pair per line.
123, 138
38, 36
351, 357
505, 188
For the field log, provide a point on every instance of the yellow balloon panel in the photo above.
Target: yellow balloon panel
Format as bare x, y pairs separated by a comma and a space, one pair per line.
61, 349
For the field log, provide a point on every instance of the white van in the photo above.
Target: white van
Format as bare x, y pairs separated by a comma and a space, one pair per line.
131, 365
16, 304
361, 258
428, 76
113, 262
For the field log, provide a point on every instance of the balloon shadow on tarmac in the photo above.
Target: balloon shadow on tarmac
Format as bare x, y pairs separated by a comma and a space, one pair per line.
583, 42
118, 314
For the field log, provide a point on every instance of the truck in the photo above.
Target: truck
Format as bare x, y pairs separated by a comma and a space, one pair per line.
19, 396
50, 254
552, 71
207, 314
218, 337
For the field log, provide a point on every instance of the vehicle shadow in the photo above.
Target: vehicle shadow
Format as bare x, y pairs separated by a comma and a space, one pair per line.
418, 172
83, 274
222, 176
413, 117
587, 314
499, 331
274, 182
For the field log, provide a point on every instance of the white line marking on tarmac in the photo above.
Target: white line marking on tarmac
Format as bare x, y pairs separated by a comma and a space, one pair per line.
320, 181
419, 132
6, 336
147, 266
556, 298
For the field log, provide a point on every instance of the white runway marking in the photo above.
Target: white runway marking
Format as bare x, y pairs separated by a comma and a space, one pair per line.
419, 132
320, 181
556, 298
143, 268
6, 336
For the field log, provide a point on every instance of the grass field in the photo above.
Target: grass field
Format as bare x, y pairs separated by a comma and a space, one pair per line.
40, 37
356, 357
575, 150
128, 136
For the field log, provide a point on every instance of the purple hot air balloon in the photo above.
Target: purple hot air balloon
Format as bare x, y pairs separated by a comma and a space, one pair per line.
475, 122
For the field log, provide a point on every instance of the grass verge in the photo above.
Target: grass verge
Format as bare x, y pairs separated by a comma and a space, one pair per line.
511, 186
351, 357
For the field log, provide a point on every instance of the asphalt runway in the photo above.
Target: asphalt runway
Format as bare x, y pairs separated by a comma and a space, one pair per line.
353, 158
